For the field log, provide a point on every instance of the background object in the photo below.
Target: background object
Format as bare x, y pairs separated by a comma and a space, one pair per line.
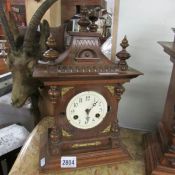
160, 147
115, 24
5, 83
55, 10
145, 23
12, 137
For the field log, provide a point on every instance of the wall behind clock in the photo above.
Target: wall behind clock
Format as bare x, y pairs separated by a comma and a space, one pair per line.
32, 6
145, 23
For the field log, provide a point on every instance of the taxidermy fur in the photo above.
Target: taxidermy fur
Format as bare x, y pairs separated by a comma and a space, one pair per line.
24, 52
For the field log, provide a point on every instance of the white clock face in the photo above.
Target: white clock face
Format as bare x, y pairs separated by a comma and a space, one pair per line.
86, 110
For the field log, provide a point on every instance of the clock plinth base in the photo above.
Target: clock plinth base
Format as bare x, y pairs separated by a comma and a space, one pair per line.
153, 155
84, 160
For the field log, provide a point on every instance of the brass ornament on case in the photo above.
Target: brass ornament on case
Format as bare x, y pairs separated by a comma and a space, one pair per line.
65, 133
97, 143
111, 89
108, 129
65, 90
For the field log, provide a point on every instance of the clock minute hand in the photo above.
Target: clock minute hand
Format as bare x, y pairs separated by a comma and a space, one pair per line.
94, 104
88, 111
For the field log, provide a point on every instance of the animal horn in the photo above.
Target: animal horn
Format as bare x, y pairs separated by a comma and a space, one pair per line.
13, 26
6, 28
34, 22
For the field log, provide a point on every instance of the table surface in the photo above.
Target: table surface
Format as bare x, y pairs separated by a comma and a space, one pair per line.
28, 158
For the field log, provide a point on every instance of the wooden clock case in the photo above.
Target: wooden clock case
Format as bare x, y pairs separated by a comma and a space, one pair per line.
83, 67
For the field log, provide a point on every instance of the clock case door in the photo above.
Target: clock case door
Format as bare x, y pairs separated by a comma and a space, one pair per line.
99, 133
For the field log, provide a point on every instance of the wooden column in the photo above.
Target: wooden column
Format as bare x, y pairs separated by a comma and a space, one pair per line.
160, 147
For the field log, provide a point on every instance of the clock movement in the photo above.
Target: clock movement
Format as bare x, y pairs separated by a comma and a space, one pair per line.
84, 88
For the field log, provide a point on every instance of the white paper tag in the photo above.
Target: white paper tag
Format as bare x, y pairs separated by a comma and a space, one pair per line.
42, 162
68, 162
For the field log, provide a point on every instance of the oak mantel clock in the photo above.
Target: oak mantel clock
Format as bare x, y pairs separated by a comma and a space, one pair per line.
84, 88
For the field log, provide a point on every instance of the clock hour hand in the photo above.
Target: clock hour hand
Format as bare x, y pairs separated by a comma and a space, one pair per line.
87, 111
87, 117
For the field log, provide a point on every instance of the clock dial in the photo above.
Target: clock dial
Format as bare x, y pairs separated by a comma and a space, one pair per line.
86, 110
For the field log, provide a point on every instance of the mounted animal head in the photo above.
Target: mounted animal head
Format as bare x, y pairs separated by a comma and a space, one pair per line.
24, 51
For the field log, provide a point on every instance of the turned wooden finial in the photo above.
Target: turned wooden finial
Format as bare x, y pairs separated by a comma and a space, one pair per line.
84, 21
51, 54
123, 55
93, 16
